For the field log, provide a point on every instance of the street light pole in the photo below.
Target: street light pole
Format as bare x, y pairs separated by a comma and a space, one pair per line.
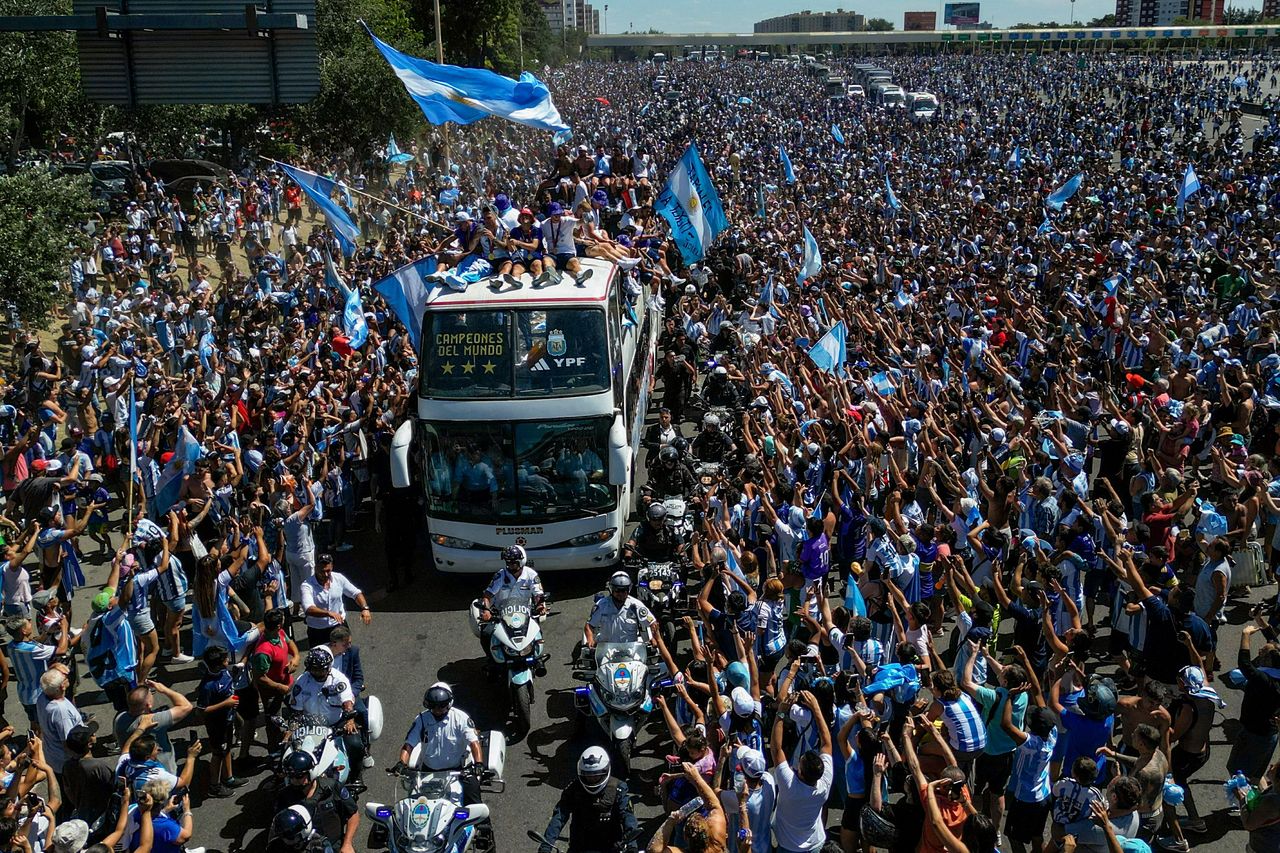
606, 19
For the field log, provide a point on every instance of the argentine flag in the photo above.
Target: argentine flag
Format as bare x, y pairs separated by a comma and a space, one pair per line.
353, 322
812, 258
320, 190
836, 134
1190, 186
183, 461
1059, 196
889, 197
829, 352
447, 93
1015, 159
786, 165
394, 154
406, 292
691, 206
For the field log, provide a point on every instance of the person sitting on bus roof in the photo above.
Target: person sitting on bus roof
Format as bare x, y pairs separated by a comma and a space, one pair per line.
561, 254
525, 246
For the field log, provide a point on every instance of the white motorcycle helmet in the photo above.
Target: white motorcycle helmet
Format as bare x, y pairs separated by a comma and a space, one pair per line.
593, 769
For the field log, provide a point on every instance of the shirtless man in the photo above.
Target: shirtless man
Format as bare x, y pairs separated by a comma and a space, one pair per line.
1147, 707
1148, 769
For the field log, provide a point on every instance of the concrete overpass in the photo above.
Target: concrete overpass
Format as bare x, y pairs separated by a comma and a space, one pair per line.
1075, 38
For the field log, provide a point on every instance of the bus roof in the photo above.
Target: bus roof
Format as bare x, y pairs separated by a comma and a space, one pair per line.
480, 294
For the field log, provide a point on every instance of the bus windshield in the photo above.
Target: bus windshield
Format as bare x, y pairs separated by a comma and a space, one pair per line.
526, 471
528, 352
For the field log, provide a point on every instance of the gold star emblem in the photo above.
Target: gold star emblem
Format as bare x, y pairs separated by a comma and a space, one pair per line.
469, 367
447, 367
488, 368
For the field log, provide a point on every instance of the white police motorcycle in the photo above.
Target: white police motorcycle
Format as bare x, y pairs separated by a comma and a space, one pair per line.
426, 814
515, 644
310, 733
618, 694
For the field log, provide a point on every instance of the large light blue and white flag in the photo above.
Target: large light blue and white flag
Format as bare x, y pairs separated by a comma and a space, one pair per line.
320, 190
889, 196
183, 461
829, 352
394, 154
812, 258
1046, 227
786, 165
354, 325
406, 291
836, 134
204, 349
691, 206
766, 292
447, 93
1015, 159
1059, 196
1190, 186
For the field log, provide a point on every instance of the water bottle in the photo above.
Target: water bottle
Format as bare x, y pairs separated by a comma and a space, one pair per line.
1238, 781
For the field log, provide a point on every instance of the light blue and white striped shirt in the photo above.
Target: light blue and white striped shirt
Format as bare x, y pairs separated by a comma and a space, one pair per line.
172, 584
1029, 779
30, 660
966, 732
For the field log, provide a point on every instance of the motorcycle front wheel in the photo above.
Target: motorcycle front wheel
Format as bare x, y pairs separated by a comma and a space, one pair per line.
622, 756
522, 703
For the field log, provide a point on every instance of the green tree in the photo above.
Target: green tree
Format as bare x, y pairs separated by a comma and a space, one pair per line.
1104, 21
39, 79
39, 215
879, 25
360, 99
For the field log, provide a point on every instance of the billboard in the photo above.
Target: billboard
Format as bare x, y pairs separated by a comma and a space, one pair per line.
960, 14
919, 21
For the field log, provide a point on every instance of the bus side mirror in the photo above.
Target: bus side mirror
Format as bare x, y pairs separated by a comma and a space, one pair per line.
400, 454
619, 453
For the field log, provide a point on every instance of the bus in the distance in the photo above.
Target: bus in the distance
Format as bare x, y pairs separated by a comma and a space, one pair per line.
531, 406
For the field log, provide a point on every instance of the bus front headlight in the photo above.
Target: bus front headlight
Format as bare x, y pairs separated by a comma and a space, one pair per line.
593, 538
452, 542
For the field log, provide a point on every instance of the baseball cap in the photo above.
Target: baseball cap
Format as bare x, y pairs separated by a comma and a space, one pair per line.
743, 704
501, 202
555, 209
102, 601
752, 763
78, 739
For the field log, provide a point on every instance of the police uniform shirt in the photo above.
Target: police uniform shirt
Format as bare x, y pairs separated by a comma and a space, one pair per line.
446, 744
322, 700
528, 578
627, 624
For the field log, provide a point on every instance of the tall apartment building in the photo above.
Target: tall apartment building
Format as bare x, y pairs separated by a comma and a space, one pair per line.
571, 14
1162, 13
838, 21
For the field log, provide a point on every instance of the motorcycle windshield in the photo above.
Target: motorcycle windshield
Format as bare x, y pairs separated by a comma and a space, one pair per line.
514, 606
607, 653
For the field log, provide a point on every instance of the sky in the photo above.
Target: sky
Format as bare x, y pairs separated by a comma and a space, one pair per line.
737, 16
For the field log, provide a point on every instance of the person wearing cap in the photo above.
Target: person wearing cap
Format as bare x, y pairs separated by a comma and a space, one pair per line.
88, 783
30, 656
749, 803
71, 836
111, 649
324, 597
561, 254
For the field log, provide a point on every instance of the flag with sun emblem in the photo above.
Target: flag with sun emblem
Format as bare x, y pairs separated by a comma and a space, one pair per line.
447, 93
692, 207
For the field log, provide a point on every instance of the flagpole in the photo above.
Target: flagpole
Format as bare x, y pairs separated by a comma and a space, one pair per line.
444, 128
413, 213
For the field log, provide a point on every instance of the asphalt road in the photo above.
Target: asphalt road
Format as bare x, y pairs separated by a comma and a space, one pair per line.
420, 635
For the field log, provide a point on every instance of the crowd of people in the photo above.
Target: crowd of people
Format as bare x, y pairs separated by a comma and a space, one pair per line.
1060, 421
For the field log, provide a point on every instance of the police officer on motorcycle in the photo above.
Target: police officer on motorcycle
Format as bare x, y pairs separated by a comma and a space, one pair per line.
448, 737
598, 806
712, 444
652, 539
719, 391
669, 475
516, 572
324, 692
334, 813
619, 617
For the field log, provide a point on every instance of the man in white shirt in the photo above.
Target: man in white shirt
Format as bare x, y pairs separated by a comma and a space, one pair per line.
324, 597
558, 247
801, 793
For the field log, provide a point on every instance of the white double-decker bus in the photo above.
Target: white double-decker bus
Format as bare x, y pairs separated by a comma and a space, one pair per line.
531, 404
